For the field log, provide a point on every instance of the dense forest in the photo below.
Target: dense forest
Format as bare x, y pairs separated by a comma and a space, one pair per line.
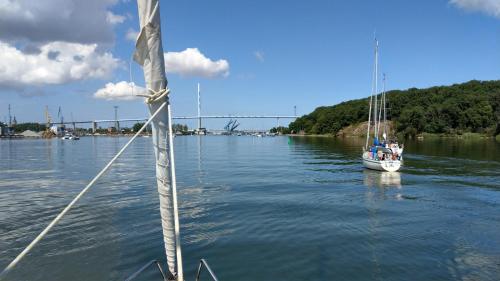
469, 107
36, 127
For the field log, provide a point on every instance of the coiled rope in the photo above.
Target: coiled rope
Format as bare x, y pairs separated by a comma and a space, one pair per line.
155, 95
42, 234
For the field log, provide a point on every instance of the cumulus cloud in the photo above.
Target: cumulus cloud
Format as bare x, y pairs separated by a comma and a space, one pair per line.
53, 63
132, 34
490, 7
191, 62
76, 21
120, 91
259, 56
114, 18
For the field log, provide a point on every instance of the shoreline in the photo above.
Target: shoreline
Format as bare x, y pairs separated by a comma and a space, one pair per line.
422, 136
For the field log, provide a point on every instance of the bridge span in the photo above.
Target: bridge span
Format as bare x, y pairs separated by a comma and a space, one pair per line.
117, 121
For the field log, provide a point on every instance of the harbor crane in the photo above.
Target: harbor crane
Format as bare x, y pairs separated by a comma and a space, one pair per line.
231, 125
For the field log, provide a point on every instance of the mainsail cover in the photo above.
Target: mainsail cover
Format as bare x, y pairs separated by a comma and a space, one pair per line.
149, 54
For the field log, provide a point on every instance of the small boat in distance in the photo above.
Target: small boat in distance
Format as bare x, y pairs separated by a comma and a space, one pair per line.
70, 136
385, 155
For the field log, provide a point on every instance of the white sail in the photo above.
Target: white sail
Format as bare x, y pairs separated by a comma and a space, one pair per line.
149, 54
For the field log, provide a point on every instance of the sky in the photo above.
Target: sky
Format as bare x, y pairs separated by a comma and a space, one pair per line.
250, 57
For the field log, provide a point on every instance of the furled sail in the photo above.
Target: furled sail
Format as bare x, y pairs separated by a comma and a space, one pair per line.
149, 54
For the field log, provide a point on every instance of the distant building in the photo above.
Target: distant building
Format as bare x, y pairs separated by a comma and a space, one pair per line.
3, 129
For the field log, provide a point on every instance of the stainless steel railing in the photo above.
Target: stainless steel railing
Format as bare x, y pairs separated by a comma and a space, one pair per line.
203, 263
170, 276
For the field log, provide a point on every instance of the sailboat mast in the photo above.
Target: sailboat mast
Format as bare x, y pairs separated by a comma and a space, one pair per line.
385, 111
371, 103
380, 111
199, 109
376, 90
373, 93
149, 54
369, 121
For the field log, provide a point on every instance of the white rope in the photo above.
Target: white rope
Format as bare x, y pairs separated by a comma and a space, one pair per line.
68, 207
155, 96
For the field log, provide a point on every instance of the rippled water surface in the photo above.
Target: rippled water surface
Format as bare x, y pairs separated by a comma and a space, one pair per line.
273, 208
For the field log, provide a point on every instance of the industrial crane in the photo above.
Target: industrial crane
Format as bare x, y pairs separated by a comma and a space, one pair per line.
232, 125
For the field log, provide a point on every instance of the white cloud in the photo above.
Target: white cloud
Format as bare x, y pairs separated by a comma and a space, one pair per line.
490, 7
191, 62
132, 34
259, 56
77, 21
54, 63
120, 91
114, 18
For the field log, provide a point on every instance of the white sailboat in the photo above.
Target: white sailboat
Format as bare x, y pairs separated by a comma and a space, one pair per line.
382, 155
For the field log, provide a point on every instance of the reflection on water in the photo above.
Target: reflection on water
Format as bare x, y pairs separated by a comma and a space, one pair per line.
467, 149
382, 179
200, 164
276, 208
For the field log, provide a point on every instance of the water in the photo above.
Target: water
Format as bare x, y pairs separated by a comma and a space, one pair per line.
256, 209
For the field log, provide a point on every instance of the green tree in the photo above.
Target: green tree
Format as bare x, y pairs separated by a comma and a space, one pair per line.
280, 130
137, 127
180, 128
411, 121
36, 127
468, 107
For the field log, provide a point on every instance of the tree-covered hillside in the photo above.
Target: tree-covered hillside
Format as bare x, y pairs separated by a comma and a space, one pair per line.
469, 107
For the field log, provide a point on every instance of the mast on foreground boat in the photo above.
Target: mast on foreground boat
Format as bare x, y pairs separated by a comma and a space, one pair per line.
149, 54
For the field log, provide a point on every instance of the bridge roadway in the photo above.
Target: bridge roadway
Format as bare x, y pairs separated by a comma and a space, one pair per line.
182, 117
94, 122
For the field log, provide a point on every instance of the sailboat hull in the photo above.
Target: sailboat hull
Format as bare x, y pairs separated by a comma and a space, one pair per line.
385, 165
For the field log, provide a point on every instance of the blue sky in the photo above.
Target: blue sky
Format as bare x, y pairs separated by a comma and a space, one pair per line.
278, 53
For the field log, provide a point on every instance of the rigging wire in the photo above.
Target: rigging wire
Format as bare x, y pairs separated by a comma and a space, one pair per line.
42, 234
